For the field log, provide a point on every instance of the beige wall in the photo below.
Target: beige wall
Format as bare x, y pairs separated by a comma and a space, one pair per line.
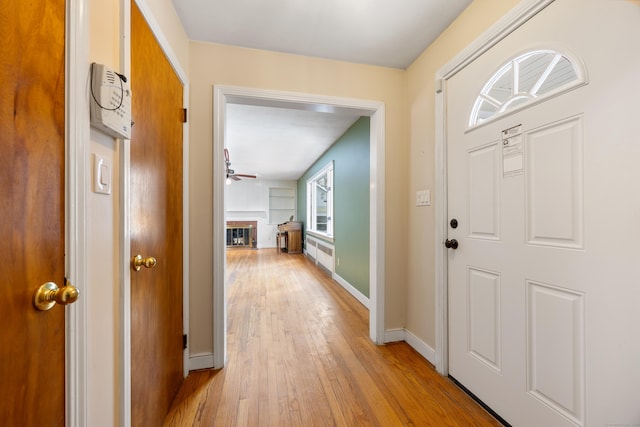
212, 64
420, 297
101, 293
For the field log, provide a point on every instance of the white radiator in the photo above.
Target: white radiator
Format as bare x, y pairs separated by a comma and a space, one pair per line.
322, 253
312, 248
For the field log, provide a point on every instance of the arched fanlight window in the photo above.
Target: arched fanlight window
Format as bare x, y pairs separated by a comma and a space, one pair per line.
529, 77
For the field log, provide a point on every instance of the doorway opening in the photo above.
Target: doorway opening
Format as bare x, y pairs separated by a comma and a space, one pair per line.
225, 95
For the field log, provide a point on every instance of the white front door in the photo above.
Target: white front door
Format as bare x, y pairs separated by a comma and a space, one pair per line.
544, 286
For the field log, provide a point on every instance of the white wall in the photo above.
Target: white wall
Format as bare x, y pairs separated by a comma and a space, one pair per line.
248, 200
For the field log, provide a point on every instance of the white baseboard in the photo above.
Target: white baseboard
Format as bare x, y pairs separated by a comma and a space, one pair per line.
200, 361
392, 335
352, 290
421, 347
395, 335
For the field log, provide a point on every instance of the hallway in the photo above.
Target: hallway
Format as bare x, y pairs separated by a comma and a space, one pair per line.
300, 355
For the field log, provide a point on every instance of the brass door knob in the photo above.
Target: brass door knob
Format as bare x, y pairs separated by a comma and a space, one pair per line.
48, 294
138, 262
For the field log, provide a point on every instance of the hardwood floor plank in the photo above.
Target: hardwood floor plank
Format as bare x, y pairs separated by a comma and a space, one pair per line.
299, 355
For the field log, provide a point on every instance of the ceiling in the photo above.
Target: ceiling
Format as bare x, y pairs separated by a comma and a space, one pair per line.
377, 32
279, 143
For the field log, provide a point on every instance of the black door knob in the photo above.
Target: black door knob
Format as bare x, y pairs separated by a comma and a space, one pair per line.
451, 244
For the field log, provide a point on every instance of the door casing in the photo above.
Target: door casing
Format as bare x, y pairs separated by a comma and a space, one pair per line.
76, 179
374, 109
518, 16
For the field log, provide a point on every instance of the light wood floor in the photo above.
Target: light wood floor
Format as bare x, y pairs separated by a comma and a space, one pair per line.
299, 355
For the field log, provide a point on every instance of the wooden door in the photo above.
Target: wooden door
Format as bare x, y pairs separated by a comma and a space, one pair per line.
543, 285
156, 227
32, 108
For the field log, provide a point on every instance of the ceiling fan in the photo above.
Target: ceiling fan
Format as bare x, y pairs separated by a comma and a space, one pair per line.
231, 174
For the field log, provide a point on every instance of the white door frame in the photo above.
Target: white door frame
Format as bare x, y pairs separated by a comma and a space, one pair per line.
76, 178
125, 206
224, 95
518, 16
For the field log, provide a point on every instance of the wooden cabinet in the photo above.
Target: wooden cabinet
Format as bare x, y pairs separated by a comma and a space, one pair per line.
294, 242
290, 234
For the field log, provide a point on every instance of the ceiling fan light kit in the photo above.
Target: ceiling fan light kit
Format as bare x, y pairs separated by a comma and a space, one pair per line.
231, 174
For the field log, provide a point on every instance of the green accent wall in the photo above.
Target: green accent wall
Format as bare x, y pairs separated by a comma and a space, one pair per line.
350, 154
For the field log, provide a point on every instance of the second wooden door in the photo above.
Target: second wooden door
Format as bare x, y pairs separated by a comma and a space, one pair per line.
156, 227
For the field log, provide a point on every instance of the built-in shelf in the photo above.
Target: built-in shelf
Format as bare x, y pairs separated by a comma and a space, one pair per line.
282, 202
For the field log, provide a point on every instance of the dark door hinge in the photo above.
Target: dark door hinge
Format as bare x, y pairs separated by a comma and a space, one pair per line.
184, 115
184, 341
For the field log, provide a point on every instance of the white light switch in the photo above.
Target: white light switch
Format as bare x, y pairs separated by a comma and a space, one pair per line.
423, 198
104, 175
101, 175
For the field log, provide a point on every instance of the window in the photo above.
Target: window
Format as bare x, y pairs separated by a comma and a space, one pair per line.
532, 76
320, 202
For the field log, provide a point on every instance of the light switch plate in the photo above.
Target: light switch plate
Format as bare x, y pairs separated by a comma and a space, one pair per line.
423, 198
101, 175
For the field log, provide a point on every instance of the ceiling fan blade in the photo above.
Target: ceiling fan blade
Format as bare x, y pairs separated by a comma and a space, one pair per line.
245, 175
234, 177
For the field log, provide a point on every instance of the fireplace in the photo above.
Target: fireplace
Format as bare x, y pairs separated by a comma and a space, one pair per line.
242, 234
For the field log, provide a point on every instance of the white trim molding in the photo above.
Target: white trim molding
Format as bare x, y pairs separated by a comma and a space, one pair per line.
125, 234
163, 42
394, 335
199, 361
76, 178
224, 95
513, 20
311, 252
397, 335
510, 22
421, 347
353, 291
